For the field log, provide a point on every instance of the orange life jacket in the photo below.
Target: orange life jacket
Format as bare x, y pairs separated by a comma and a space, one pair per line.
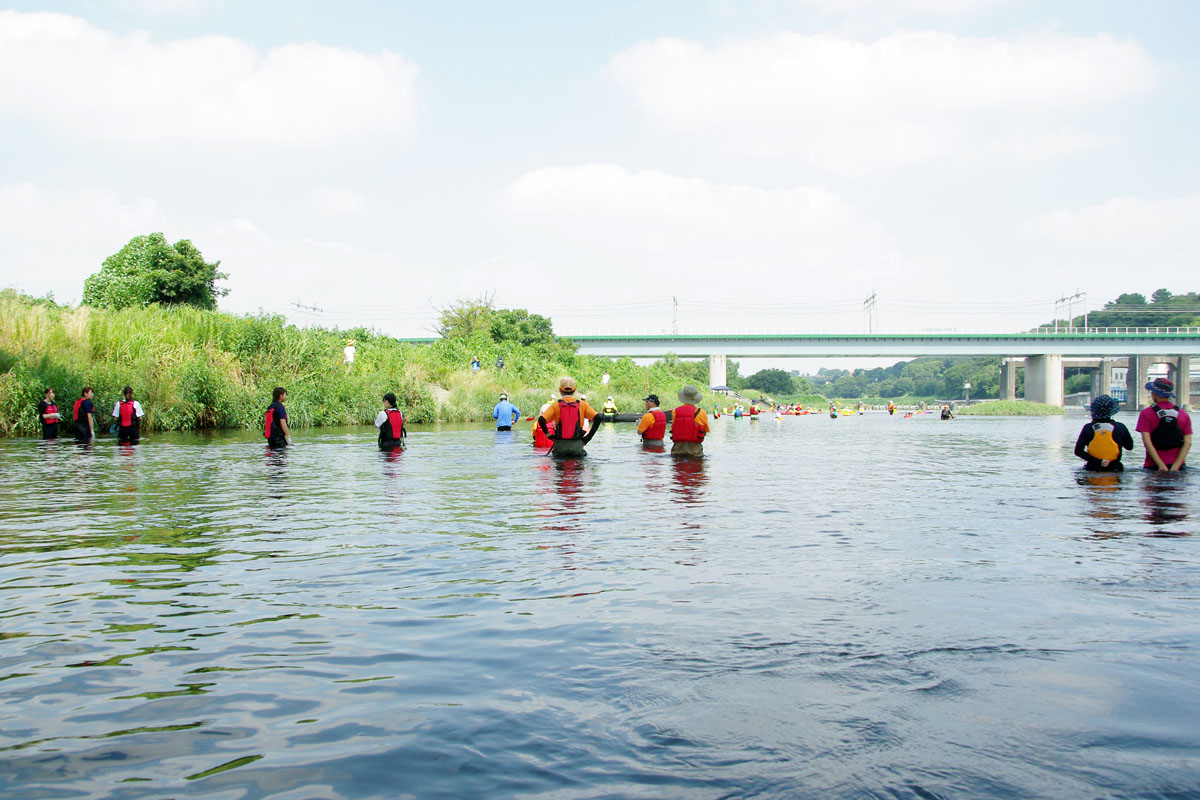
659, 429
684, 427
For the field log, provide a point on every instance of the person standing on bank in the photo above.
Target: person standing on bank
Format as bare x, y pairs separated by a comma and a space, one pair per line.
81, 415
391, 424
689, 424
1166, 429
653, 425
348, 354
275, 425
48, 415
505, 413
1101, 440
569, 414
128, 414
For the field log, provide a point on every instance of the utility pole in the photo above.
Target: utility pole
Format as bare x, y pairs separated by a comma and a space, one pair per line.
674, 316
869, 311
307, 311
1070, 304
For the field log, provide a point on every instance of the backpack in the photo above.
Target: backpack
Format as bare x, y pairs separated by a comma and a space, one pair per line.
1167, 435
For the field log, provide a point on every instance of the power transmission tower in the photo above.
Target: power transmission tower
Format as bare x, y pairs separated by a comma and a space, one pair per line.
1069, 302
309, 312
869, 312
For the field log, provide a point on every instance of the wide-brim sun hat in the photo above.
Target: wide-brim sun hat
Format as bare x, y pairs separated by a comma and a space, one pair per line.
690, 394
1104, 406
1161, 387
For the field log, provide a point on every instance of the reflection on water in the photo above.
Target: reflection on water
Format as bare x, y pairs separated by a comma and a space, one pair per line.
861, 607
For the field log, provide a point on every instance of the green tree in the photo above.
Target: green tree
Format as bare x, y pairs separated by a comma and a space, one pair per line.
149, 270
846, 386
466, 318
771, 381
518, 325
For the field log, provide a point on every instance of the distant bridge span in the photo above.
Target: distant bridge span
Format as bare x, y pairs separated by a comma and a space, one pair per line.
1042, 349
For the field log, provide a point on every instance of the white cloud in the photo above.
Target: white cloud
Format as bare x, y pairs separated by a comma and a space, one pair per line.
332, 202
905, 98
655, 234
54, 238
1124, 222
211, 90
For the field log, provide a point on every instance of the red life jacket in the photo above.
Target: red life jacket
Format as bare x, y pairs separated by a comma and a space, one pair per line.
268, 421
126, 413
570, 426
659, 429
75, 411
684, 427
395, 423
50, 409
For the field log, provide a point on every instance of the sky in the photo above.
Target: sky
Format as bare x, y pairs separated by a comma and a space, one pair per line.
716, 166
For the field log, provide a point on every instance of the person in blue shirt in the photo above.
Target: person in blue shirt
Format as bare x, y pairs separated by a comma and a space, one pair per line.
505, 414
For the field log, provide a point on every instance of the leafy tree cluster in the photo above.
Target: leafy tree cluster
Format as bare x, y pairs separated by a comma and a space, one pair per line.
1164, 309
468, 318
925, 377
776, 383
150, 270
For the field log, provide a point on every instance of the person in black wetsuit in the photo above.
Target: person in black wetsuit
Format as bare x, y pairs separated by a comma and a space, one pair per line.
1101, 441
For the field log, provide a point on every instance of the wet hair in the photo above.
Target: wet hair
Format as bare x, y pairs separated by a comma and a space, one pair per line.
277, 393
86, 389
49, 389
127, 391
390, 399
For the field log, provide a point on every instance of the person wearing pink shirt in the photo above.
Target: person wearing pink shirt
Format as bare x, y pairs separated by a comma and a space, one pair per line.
1166, 429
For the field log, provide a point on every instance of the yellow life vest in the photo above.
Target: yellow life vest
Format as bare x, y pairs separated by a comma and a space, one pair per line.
1103, 446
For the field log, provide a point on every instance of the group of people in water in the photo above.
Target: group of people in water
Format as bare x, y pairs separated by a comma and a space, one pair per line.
1166, 431
565, 424
127, 416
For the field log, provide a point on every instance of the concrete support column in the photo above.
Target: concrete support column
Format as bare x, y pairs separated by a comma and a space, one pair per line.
717, 374
1008, 379
1135, 382
1183, 386
1044, 379
1097, 378
1105, 373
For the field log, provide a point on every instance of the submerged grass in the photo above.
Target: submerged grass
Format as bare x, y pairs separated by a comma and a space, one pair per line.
1009, 408
193, 369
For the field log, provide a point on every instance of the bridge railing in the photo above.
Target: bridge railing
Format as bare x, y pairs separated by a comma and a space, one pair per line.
1040, 331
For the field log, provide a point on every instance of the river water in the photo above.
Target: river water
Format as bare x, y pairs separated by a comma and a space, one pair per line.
860, 607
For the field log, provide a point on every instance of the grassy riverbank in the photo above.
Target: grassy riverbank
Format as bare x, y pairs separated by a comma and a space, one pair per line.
194, 369
1009, 408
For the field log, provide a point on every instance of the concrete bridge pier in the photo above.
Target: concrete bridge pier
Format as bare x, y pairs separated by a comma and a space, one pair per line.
1044, 379
1102, 379
717, 370
1183, 385
1135, 382
1008, 379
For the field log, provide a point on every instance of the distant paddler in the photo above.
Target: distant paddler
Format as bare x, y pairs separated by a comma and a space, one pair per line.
568, 414
689, 424
832, 411
610, 407
390, 422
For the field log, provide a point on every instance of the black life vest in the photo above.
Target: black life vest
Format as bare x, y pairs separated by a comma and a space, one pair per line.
1167, 435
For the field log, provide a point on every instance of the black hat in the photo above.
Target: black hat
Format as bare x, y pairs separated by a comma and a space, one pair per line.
652, 398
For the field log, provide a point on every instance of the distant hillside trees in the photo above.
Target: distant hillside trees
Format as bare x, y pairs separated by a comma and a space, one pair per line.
150, 270
1132, 310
